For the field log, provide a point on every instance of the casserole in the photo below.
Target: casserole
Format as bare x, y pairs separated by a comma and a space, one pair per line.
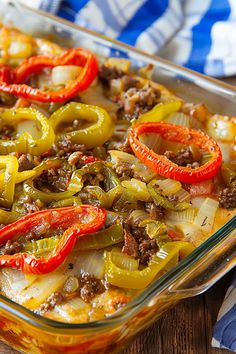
32, 333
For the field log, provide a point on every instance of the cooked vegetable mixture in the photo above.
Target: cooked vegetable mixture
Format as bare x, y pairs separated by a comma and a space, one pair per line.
107, 178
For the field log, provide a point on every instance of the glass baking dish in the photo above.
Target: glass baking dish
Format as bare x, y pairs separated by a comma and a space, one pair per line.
31, 333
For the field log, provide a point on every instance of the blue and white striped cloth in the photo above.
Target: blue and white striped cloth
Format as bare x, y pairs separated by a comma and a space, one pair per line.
200, 35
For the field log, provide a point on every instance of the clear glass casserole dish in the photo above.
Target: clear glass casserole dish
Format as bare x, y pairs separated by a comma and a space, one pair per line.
31, 333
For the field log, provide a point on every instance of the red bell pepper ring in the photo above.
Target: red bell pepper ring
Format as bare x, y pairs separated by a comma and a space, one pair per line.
74, 221
7, 74
161, 165
33, 65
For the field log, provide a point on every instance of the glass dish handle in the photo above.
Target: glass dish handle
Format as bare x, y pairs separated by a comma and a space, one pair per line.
207, 270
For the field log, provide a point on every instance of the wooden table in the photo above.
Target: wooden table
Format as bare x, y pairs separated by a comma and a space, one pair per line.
186, 329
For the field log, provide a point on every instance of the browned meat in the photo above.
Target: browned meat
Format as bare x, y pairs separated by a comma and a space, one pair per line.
29, 205
183, 157
7, 132
53, 180
11, 247
53, 300
65, 147
146, 246
93, 180
107, 74
123, 169
146, 249
27, 162
227, 198
136, 101
89, 287
130, 245
156, 212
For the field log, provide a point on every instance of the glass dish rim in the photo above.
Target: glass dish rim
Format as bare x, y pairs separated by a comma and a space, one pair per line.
169, 278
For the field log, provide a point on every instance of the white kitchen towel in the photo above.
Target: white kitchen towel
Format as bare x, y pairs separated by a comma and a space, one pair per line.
200, 35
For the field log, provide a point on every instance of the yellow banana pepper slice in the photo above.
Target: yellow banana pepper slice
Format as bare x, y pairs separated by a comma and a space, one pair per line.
96, 124
139, 279
159, 112
26, 142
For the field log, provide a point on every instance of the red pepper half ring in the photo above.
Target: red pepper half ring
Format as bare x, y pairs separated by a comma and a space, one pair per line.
74, 221
161, 165
77, 56
7, 74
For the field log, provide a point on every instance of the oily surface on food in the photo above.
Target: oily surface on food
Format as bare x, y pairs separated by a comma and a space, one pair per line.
80, 152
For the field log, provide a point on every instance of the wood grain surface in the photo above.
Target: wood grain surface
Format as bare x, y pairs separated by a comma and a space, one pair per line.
186, 329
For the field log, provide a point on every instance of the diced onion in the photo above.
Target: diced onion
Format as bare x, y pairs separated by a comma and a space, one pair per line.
91, 262
117, 156
222, 128
137, 188
179, 118
226, 149
183, 195
62, 74
197, 202
179, 216
206, 214
29, 126
152, 141
191, 232
171, 146
71, 284
20, 49
94, 95
169, 186
138, 215
33, 290
124, 261
73, 311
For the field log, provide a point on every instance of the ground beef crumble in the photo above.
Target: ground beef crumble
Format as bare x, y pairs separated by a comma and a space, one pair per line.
146, 246
130, 245
53, 180
156, 212
227, 198
146, 249
89, 287
65, 147
27, 205
124, 169
11, 247
107, 74
7, 132
28, 162
134, 101
183, 157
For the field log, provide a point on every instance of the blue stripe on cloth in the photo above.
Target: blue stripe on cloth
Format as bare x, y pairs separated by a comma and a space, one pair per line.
148, 13
219, 10
69, 8
224, 330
